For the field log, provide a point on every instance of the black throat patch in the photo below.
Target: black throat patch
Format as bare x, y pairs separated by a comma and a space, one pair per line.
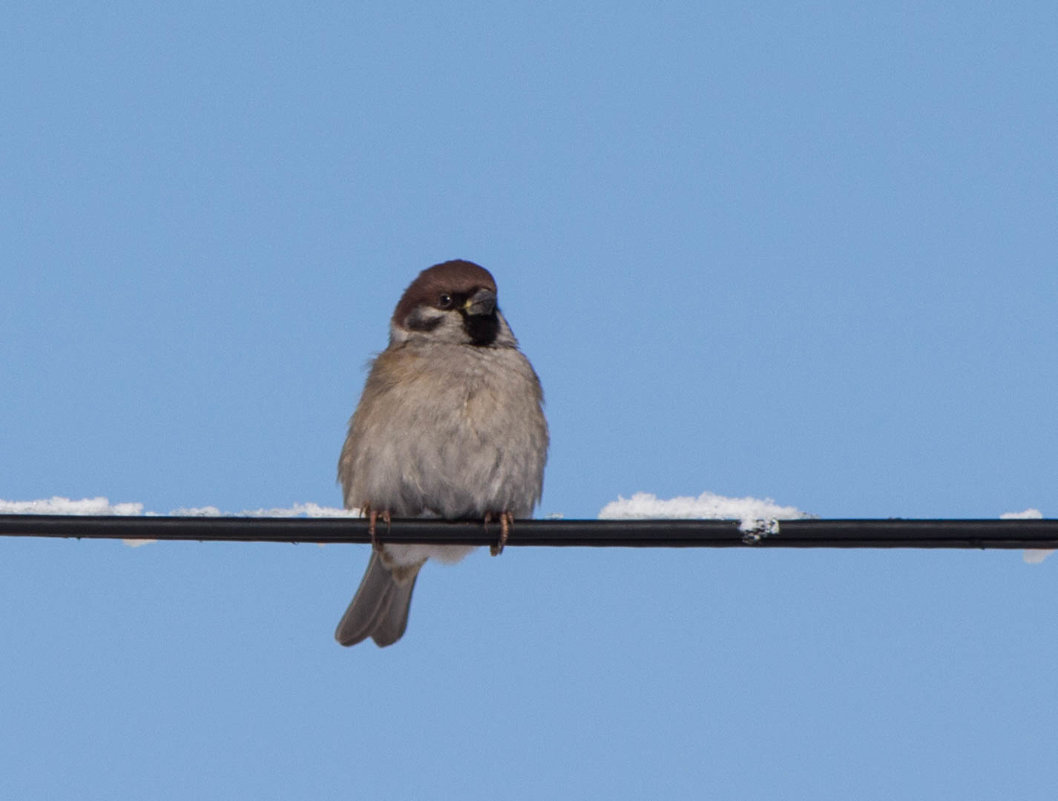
481, 328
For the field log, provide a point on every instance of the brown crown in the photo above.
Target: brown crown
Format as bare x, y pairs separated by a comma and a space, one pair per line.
453, 277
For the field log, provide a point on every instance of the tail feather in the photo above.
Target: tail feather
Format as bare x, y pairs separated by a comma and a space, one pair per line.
380, 607
391, 624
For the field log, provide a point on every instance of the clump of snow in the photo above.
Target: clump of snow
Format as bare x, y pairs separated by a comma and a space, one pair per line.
196, 511
304, 510
101, 506
64, 506
1028, 514
755, 514
1032, 556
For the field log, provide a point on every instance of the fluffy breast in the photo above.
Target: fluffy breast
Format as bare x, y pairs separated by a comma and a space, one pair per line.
449, 430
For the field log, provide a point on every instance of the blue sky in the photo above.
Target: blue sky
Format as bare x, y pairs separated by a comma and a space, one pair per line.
804, 252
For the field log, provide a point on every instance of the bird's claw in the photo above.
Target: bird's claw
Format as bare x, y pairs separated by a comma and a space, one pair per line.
506, 523
372, 521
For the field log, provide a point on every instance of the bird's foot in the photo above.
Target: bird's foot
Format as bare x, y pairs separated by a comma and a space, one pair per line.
506, 524
372, 521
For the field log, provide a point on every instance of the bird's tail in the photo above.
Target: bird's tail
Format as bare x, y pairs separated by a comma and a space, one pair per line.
379, 609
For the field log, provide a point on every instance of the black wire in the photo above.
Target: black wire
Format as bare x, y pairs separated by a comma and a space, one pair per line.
809, 533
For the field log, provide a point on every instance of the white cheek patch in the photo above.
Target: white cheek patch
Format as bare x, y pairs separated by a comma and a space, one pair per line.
425, 323
424, 319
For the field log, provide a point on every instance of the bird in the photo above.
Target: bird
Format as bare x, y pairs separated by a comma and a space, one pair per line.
450, 424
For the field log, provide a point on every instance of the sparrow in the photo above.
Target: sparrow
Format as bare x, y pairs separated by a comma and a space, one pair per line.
450, 424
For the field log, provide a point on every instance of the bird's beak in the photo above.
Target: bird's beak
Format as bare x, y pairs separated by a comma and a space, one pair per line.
481, 302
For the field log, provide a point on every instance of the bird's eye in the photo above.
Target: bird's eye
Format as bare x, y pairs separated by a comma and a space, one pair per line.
444, 301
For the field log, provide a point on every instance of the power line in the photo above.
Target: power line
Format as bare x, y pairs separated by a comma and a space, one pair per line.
807, 533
